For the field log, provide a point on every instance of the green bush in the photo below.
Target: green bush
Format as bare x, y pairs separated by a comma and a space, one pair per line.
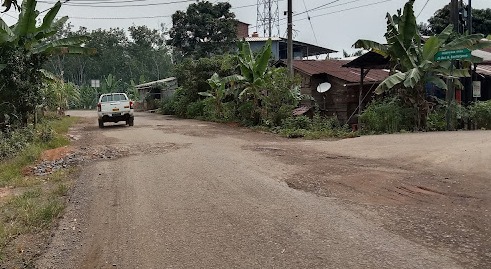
480, 114
437, 120
293, 133
315, 128
279, 97
195, 109
45, 133
246, 113
13, 141
300, 122
387, 116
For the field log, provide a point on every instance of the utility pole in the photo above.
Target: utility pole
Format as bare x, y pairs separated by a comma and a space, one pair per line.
454, 14
469, 18
450, 96
290, 39
270, 23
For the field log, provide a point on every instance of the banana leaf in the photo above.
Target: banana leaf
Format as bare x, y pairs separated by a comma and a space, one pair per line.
437, 82
390, 82
27, 19
50, 17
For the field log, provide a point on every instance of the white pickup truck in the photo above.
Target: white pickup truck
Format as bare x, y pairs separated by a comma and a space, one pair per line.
115, 107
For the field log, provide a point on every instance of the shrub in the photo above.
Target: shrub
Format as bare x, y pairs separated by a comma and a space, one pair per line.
246, 113
437, 119
300, 122
45, 133
480, 114
13, 141
195, 109
315, 128
387, 116
279, 97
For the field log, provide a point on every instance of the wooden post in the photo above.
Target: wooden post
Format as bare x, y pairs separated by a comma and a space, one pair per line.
360, 96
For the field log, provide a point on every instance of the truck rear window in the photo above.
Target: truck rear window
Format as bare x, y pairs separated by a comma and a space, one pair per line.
113, 98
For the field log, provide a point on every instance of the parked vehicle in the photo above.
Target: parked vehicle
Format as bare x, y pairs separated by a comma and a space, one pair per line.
115, 107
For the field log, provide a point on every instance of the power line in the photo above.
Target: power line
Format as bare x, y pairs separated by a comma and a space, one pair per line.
348, 9
338, 11
112, 6
311, 26
316, 8
423, 8
140, 17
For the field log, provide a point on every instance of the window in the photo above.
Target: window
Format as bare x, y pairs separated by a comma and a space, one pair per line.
114, 98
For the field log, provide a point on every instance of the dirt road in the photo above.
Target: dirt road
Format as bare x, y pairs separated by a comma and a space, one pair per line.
172, 193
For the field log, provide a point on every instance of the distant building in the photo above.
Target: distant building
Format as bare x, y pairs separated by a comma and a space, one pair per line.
279, 44
242, 30
155, 90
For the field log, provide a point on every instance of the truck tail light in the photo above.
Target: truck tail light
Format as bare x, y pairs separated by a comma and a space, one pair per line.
131, 104
99, 106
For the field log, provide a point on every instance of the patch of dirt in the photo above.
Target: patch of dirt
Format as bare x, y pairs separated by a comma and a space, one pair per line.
5, 192
443, 210
56, 154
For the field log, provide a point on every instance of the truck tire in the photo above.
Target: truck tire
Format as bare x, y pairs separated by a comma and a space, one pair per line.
131, 121
101, 124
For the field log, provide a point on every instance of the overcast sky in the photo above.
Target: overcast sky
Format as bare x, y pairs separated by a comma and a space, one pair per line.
337, 25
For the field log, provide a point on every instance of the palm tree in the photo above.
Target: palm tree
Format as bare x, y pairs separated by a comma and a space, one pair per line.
412, 60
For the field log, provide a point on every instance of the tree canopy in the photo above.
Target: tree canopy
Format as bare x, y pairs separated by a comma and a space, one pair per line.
139, 54
24, 48
205, 29
481, 21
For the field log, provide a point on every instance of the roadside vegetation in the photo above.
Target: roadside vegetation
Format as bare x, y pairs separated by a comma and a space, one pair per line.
30, 204
32, 101
244, 87
412, 68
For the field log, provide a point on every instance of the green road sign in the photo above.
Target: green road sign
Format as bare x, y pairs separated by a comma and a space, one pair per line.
453, 55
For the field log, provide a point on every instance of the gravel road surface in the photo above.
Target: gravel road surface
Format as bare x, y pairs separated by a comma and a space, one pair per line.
192, 194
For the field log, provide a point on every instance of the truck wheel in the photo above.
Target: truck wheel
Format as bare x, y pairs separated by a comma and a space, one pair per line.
101, 124
131, 121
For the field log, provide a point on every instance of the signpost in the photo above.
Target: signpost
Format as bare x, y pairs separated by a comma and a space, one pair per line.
449, 55
476, 89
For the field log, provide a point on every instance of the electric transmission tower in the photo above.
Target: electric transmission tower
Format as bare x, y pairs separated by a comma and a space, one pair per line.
268, 18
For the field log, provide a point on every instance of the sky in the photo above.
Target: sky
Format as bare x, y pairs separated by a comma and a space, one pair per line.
337, 24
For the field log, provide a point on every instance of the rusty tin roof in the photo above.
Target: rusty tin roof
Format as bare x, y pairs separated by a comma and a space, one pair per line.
335, 68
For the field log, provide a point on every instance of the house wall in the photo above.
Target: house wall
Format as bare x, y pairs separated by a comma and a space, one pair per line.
258, 45
340, 101
242, 30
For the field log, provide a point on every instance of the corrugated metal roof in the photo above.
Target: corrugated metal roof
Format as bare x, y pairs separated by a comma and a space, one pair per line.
483, 54
261, 39
157, 82
335, 68
484, 70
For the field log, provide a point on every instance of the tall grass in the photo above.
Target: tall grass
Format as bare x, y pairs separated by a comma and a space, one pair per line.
33, 207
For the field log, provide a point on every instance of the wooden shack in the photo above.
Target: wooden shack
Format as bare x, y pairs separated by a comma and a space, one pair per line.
342, 99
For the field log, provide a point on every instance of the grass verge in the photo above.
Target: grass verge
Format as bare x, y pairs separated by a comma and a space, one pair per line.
32, 203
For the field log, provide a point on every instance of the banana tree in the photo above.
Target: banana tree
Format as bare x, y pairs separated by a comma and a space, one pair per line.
24, 48
412, 60
220, 89
254, 70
